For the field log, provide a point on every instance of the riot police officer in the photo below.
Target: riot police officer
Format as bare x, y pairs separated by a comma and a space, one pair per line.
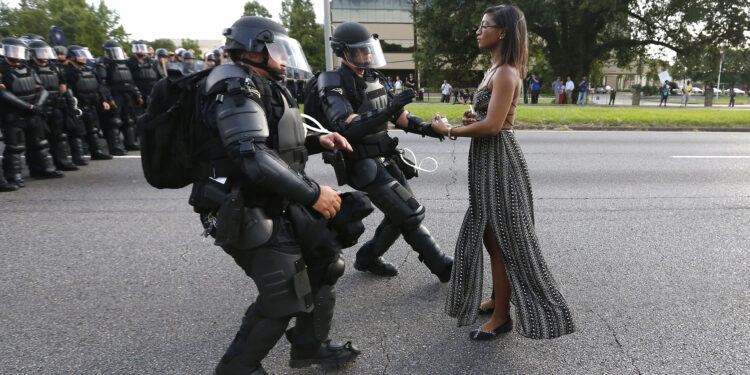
211, 60
91, 95
125, 96
262, 150
188, 63
143, 68
356, 104
21, 100
53, 111
162, 57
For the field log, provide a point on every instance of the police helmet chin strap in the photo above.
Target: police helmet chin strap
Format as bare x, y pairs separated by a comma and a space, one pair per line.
417, 166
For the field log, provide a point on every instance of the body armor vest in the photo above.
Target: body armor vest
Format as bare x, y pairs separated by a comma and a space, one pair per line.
119, 77
144, 74
50, 80
290, 137
23, 84
86, 85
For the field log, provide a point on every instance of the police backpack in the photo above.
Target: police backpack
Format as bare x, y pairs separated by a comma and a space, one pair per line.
169, 132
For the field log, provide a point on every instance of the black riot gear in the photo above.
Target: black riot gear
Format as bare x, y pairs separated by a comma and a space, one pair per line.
354, 43
117, 77
113, 50
372, 167
161, 52
41, 51
145, 73
257, 140
14, 49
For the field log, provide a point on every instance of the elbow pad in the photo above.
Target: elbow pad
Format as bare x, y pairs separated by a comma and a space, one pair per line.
332, 97
239, 118
13, 100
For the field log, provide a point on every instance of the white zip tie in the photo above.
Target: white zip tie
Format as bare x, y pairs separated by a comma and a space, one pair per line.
319, 129
418, 167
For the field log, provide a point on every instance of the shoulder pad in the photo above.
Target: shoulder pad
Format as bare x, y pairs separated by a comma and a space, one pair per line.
329, 79
221, 73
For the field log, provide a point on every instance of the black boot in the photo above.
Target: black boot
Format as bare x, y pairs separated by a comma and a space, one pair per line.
114, 142
369, 256
61, 154
131, 139
76, 151
40, 161
4, 184
429, 252
329, 354
256, 337
12, 165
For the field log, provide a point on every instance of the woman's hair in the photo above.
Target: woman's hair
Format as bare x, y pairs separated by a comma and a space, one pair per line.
515, 49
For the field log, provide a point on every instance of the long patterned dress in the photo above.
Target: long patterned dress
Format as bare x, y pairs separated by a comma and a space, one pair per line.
500, 194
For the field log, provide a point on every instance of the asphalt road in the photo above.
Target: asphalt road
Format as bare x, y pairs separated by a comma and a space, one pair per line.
102, 274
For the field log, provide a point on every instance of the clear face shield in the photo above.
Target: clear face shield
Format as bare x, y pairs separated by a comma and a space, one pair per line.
45, 53
140, 48
287, 51
83, 55
116, 53
14, 52
366, 54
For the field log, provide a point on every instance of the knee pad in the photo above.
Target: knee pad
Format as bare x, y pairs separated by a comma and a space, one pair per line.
334, 271
283, 284
397, 203
15, 137
115, 121
413, 222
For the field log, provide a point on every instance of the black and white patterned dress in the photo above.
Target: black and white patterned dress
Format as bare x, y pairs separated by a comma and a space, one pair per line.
500, 195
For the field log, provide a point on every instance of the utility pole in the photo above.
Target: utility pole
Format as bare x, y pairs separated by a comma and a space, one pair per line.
414, 4
327, 33
718, 84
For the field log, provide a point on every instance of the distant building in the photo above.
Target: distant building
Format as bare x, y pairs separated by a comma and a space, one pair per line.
391, 20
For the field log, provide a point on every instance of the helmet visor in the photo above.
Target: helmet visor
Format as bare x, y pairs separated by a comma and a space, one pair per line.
45, 53
140, 48
366, 54
83, 53
116, 53
14, 52
287, 51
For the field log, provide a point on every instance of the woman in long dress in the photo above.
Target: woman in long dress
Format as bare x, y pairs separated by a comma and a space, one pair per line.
501, 212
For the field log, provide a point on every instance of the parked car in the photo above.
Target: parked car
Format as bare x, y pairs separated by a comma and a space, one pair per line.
717, 91
736, 92
696, 91
603, 89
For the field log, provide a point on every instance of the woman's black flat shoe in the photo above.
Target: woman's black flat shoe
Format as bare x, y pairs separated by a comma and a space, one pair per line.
481, 335
484, 311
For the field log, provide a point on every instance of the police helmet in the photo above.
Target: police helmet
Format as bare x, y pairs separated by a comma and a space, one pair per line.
113, 50
76, 52
139, 47
31, 36
161, 52
179, 51
263, 35
14, 49
353, 42
41, 51
61, 50
187, 55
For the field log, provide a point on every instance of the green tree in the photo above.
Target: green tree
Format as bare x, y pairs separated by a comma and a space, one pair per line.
192, 44
578, 35
84, 24
167, 44
253, 8
298, 16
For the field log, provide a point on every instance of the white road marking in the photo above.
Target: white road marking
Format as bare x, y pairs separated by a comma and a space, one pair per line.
711, 156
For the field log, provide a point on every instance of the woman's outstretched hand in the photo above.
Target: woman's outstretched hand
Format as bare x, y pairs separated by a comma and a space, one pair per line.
469, 117
438, 125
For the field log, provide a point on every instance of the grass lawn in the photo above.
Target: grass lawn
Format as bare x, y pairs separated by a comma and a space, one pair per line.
539, 116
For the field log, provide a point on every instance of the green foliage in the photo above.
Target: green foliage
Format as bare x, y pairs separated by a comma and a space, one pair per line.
84, 24
298, 16
578, 36
253, 8
167, 44
192, 44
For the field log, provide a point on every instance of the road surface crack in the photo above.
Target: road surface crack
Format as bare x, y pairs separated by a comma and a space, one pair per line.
452, 172
385, 353
619, 344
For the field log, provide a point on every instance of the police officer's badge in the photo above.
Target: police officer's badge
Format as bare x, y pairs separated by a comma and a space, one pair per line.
339, 91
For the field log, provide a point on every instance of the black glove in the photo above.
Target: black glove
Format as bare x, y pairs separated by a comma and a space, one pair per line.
400, 100
419, 126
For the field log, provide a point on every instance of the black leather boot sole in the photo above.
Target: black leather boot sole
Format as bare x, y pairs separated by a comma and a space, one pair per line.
8, 187
329, 355
47, 174
378, 267
100, 156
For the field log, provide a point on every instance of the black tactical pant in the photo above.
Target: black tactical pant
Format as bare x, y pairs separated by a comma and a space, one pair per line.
121, 122
24, 133
58, 136
266, 320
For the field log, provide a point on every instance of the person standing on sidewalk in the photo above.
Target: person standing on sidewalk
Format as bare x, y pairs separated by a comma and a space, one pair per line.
731, 96
686, 89
612, 95
559, 89
583, 86
536, 86
569, 87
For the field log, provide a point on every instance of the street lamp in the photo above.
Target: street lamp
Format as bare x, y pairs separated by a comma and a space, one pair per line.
718, 84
